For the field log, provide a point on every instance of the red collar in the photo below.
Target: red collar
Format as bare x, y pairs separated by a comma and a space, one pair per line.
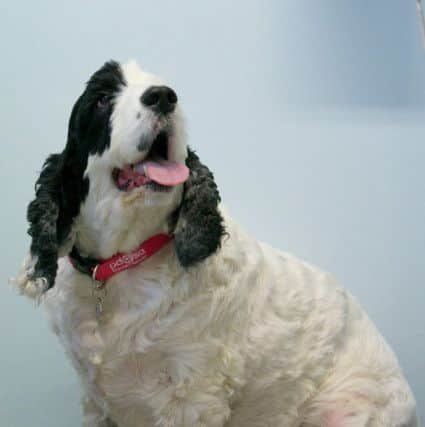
103, 270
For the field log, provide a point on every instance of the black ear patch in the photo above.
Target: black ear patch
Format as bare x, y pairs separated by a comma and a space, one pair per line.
199, 228
59, 192
42, 215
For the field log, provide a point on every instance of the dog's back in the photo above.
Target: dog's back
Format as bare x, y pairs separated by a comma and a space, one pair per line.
313, 357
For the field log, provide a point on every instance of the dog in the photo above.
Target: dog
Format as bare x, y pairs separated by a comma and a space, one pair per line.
172, 314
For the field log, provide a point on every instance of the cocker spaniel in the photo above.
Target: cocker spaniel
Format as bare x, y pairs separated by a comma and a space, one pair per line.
170, 313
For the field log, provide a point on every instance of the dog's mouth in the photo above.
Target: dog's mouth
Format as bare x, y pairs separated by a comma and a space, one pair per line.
154, 171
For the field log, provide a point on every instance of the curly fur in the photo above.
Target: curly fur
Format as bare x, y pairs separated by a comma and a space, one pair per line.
42, 214
199, 229
211, 331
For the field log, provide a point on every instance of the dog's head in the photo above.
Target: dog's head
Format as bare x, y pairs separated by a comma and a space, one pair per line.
125, 174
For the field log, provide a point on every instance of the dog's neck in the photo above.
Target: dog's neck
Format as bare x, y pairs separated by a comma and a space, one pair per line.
107, 228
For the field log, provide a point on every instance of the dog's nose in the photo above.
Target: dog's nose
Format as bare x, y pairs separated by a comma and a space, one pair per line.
161, 99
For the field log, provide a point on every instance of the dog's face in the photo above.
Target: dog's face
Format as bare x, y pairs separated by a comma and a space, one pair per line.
124, 174
129, 125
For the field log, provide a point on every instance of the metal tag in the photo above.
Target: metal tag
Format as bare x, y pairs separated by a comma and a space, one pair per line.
99, 293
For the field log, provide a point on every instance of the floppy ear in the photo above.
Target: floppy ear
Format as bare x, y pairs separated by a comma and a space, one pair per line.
199, 227
59, 191
39, 269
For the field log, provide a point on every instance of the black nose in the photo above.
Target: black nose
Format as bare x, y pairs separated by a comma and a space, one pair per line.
160, 99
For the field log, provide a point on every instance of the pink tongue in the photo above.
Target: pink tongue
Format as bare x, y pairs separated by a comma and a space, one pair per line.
166, 173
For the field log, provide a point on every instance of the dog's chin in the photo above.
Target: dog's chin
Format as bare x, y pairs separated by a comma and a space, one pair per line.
150, 195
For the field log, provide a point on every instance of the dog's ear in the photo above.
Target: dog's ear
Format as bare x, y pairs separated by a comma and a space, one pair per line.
49, 233
58, 194
43, 215
199, 227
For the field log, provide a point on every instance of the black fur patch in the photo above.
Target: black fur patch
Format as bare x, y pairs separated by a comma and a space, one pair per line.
61, 187
42, 214
199, 228
89, 129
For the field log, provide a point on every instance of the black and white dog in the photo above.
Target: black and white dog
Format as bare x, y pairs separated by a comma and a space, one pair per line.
171, 314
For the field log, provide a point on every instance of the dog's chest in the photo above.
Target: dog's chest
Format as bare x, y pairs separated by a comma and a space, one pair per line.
118, 355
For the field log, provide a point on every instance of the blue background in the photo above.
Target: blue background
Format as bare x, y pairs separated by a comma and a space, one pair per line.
311, 115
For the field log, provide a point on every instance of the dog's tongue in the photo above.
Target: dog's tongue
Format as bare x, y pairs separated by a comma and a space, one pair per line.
166, 173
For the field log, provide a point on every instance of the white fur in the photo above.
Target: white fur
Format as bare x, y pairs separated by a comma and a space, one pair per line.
26, 285
251, 337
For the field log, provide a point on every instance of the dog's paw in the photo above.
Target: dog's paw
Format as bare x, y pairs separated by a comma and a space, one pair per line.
35, 287
26, 283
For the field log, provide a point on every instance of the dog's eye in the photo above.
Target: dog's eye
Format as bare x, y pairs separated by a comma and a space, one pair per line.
103, 101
